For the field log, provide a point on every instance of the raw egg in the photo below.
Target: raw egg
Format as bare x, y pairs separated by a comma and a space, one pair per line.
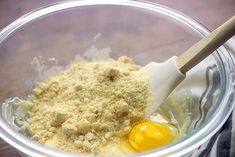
148, 135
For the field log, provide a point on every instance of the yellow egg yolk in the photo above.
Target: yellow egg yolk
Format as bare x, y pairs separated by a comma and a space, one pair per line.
149, 135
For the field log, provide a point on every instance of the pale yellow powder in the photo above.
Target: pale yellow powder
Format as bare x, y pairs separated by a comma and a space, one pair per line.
89, 104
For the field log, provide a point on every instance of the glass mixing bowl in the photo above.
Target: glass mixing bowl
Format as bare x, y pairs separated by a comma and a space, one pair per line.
46, 40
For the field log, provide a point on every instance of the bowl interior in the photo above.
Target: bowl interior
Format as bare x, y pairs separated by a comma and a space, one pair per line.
145, 36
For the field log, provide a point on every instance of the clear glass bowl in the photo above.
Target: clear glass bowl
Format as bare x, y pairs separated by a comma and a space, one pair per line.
48, 39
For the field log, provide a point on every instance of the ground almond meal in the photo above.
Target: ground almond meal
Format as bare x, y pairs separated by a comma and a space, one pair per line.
89, 104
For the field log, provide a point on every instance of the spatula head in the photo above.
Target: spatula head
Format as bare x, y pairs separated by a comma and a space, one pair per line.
163, 79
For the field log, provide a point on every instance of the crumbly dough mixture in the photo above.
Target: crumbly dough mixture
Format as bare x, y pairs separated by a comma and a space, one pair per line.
89, 104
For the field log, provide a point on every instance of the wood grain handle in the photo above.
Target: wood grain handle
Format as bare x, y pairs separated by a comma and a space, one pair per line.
206, 46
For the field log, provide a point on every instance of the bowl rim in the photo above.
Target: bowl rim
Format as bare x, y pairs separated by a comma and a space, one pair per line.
223, 57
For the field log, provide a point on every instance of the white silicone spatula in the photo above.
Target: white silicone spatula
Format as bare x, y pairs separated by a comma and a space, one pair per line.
164, 77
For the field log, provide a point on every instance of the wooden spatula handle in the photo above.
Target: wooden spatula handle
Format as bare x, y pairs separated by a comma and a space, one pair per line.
206, 46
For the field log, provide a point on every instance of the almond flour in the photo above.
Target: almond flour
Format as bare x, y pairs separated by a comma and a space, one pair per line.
89, 104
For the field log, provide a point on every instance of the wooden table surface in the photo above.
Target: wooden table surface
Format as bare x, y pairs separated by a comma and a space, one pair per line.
210, 13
